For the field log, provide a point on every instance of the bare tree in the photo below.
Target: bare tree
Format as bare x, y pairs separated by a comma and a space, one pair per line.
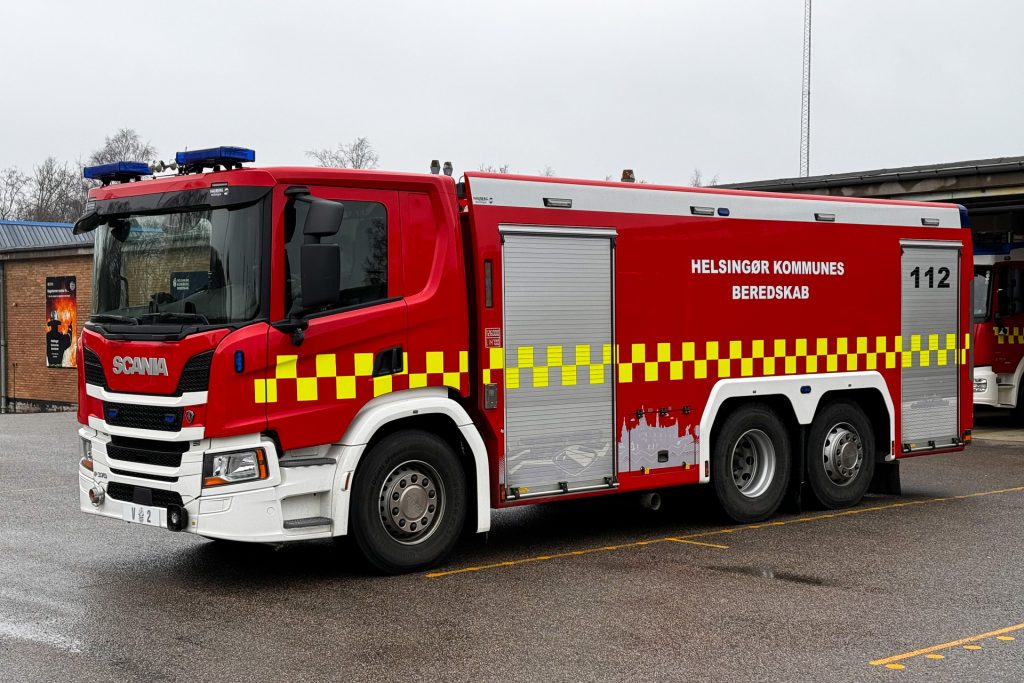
547, 172
487, 168
697, 179
13, 188
357, 154
54, 193
124, 145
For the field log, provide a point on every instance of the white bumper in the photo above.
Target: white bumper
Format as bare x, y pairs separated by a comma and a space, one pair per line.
988, 383
293, 503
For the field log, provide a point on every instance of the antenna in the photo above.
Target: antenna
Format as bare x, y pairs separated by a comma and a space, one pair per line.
805, 99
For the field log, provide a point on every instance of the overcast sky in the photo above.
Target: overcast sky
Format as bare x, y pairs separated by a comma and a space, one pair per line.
586, 87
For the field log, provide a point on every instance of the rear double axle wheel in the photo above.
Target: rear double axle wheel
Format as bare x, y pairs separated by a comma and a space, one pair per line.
750, 463
840, 455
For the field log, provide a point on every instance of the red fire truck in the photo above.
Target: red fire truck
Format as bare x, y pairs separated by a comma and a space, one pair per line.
999, 326
295, 353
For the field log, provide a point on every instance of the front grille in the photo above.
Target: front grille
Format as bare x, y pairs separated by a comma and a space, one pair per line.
94, 369
142, 417
196, 374
161, 453
143, 475
142, 495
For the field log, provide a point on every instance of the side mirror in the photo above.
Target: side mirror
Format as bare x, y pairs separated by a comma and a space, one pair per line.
323, 218
321, 274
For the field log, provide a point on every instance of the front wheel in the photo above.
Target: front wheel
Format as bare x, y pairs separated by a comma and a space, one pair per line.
408, 502
750, 463
840, 455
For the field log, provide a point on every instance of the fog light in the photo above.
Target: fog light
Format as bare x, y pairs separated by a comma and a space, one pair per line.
980, 386
96, 495
177, 517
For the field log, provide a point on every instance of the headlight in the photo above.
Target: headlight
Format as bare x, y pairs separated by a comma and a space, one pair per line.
86, 461
232, 468
980, 386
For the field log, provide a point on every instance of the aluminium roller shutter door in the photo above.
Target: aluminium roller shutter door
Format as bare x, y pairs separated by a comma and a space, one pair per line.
559, 379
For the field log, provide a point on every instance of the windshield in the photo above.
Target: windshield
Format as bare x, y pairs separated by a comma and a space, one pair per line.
982, 293
190, 267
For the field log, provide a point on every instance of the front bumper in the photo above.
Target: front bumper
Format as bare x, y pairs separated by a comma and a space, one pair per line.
277, 509
986, 392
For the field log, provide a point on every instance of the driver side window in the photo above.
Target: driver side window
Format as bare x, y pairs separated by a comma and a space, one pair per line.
363, 245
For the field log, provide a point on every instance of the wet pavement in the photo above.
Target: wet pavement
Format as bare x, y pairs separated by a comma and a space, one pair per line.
932, 582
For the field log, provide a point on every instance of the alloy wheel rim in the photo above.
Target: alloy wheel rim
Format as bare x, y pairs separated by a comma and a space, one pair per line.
752, 463
412, 502
842, 454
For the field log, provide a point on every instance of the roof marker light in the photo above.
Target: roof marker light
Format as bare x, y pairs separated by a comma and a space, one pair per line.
120, 171
826, 217
702, 210
197, 160
930, 222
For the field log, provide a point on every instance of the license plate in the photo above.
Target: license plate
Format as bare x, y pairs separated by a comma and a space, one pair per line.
142, 514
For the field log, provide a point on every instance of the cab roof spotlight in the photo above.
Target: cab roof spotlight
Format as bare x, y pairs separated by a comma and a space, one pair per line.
435, 166
448, 169
161, 166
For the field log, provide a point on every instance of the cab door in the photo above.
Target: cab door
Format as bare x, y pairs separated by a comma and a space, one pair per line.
1008, 288
354, 350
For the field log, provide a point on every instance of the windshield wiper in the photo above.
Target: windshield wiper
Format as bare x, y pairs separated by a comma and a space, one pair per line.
175, 316
111, 318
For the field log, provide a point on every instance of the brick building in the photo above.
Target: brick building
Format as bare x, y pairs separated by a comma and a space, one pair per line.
37, 262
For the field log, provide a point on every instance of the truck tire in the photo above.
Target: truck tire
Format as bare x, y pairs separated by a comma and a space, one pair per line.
408, 502
840, 455
750, 463
1017, 411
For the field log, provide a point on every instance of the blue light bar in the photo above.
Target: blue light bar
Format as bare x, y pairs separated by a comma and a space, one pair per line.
215, 156
120, 171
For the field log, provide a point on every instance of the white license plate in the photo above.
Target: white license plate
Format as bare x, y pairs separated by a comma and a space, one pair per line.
142, 514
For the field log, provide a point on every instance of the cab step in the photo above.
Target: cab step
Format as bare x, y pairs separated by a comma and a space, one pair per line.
306, 522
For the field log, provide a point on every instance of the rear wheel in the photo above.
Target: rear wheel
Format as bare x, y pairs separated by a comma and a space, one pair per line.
751, 463
840, 455
408, 502
1017, 412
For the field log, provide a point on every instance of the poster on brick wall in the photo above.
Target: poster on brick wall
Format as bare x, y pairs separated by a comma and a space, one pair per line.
61, 321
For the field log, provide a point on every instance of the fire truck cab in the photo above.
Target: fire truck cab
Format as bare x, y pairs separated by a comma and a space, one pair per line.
283, 354
998, 314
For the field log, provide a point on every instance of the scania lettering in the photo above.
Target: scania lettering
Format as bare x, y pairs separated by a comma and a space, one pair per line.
283, 354
139, 366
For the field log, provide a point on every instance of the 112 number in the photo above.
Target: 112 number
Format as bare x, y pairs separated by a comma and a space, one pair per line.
930, 274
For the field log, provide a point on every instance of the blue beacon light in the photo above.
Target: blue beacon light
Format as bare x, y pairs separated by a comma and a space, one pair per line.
227, 157
120, 171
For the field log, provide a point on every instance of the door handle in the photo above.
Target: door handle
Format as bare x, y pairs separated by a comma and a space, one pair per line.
389, 362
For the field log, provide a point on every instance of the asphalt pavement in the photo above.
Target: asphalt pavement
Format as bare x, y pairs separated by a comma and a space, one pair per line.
925, 586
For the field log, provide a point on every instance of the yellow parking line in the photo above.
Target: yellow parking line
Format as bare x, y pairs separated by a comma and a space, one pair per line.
945, 646
706, 545
540, 558
689, 538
